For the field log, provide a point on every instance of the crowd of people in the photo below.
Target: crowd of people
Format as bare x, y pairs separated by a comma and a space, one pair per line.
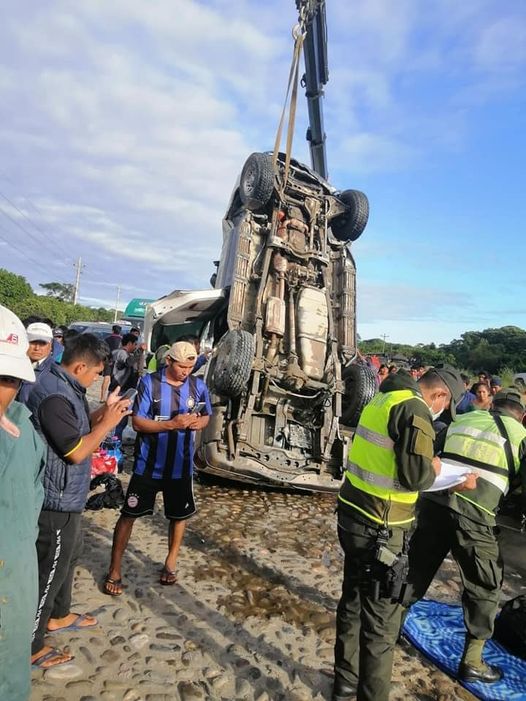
48, 435
417, 421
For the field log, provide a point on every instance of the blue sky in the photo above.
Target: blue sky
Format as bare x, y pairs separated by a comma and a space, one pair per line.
123, 126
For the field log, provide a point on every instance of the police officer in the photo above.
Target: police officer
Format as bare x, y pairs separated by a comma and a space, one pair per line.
390, 461
493, 445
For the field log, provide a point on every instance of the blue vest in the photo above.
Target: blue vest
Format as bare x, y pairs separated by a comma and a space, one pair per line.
66, 485
27, 387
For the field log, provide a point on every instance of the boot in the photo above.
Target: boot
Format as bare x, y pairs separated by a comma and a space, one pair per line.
472, 667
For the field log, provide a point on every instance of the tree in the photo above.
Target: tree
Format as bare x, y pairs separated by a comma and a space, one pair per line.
13, 288
61, 290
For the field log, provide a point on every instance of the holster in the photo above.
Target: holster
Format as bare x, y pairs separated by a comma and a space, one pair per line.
384, 573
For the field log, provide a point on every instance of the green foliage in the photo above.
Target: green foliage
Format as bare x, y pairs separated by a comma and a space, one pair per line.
16, 294
60, 290
499, 351
13, 288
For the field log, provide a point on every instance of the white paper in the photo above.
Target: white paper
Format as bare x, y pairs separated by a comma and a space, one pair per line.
450, 475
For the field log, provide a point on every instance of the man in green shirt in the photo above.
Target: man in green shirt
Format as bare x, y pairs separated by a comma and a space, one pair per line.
391, 459
492, 444
21, 494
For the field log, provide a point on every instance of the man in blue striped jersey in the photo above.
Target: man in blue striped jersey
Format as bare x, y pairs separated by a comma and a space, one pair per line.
170, 407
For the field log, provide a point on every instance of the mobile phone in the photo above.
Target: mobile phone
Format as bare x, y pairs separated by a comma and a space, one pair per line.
129, 394
198, 408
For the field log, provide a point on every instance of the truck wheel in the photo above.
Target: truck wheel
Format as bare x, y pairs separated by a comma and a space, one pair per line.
233, 363
360, 388
350, 226
257, 181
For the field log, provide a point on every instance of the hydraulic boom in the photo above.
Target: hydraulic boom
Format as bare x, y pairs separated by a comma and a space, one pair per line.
312, 19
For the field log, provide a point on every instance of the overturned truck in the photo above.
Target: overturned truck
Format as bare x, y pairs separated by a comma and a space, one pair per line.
281, 319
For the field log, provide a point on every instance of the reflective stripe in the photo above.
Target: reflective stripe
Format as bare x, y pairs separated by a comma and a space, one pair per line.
375, 518
375, 437
476, 433
501, 483
461, 495
498, 481
382, 481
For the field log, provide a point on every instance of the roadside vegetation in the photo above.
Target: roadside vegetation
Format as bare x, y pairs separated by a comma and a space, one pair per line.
16, 294
499, 351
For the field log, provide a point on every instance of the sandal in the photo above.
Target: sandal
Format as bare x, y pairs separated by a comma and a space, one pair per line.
81, 618
168, 577
112, 587
51, 656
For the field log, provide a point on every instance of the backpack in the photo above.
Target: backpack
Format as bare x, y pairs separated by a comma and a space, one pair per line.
510, 627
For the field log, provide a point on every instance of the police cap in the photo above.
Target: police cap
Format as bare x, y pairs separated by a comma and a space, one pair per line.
510, 394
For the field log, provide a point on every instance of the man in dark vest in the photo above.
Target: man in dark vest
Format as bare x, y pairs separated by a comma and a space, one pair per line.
40, 337
61, 416
391, 460
493, 445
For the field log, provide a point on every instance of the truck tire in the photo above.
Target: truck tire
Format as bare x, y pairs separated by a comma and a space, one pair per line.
350, 226
360, 388
257, 181
233, 363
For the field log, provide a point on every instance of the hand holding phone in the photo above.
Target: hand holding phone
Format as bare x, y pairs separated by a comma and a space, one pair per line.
198, 408
129, 394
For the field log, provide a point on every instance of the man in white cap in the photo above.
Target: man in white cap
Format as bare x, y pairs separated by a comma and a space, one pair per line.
40, 337
171, 405
21, 493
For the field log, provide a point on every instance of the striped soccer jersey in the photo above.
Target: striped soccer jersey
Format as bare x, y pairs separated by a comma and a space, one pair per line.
168, 454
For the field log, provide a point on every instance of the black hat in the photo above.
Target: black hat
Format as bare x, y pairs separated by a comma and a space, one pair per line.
510, 394
450, 376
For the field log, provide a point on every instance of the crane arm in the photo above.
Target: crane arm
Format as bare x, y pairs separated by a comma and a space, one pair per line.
312, 19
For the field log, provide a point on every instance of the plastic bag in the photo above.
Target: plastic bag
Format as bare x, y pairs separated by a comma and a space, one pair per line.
102, 463
111, 498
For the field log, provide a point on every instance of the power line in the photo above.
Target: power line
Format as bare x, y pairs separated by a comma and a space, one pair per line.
27, 218
29, 233
24, 252
38, 211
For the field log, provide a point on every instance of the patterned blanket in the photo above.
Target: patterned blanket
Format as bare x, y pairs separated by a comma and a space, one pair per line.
438, 631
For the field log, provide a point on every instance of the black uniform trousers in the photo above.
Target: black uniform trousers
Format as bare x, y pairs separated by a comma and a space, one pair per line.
59, 545
474, 547
366, 628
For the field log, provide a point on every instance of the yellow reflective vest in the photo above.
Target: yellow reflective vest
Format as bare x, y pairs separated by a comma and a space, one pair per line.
371, 484
474, 440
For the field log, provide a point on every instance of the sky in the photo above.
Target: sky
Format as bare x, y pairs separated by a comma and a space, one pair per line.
124, 124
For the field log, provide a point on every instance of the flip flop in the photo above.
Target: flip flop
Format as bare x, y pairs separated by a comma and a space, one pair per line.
168, 577
51, 655
114, 583
76, 625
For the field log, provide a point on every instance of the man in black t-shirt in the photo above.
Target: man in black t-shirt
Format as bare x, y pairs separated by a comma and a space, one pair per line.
61, 416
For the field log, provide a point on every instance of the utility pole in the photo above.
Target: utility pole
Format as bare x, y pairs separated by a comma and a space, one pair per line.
384, 336
78, 265
117, 304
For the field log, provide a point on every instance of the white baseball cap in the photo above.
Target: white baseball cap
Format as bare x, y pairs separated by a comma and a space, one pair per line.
13, 347
182, 352
39, 332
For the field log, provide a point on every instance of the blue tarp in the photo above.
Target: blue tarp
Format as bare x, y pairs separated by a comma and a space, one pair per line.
438, 631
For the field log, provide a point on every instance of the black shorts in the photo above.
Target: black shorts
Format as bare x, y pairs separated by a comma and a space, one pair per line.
178, 497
